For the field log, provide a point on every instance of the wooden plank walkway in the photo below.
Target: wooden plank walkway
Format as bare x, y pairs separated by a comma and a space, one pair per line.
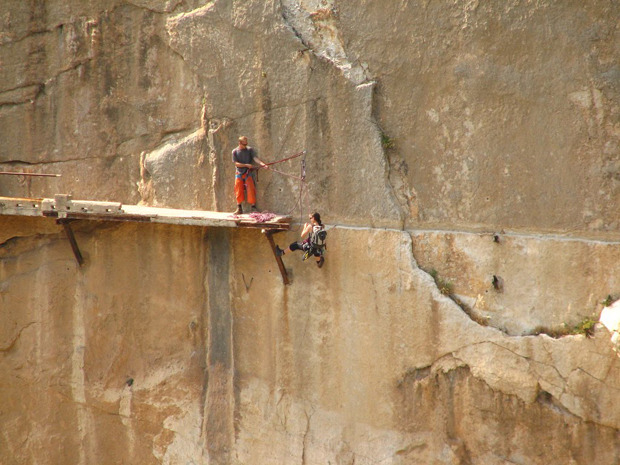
64, 207
64, 210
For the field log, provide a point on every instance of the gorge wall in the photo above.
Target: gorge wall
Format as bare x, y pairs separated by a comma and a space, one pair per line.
465, 157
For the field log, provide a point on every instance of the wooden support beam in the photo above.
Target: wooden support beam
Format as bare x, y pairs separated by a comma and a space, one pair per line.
69, 232
283, 272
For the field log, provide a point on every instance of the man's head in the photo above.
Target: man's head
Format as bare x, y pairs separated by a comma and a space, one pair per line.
243, 141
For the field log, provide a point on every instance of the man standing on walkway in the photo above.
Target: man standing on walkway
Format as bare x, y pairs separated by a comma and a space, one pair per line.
243, 157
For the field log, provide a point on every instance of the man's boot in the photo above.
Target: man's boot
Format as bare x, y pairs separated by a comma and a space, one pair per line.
238, 211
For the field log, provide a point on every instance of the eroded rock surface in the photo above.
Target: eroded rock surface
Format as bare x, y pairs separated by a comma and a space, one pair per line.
191, 349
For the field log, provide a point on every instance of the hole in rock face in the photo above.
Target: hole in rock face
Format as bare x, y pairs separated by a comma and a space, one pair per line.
498, 283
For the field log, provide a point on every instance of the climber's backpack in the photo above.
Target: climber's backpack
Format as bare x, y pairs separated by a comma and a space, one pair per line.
316, 243
317, 239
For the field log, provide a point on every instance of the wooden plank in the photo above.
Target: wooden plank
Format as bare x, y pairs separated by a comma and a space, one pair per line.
15, 206
64, 207
283, 272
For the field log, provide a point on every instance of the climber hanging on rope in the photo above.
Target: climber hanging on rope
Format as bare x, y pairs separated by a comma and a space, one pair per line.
243, 157
314, 244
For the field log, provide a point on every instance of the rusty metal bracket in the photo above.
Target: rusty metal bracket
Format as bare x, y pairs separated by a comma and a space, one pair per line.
283, 272
69, 232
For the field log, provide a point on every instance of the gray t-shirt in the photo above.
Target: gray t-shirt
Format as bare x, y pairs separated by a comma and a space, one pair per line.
245, 156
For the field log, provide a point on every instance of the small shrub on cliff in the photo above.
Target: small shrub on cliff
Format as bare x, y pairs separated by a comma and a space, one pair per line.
386, 141
586, 326
445, 287
608, 301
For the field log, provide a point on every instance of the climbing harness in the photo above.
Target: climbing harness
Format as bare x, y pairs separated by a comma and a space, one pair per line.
243, 176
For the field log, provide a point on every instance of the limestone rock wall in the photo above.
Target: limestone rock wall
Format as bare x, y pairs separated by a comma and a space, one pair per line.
477, 142
87, 351
522, 283
521, 128
190, 349
86, 87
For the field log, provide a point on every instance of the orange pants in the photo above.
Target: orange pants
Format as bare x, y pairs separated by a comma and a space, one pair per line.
241, 181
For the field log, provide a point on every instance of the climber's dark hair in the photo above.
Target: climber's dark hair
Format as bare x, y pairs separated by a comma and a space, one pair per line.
317, 218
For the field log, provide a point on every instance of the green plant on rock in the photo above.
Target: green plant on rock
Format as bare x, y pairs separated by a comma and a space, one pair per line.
386, 141
586, 326
445, 287
608, 301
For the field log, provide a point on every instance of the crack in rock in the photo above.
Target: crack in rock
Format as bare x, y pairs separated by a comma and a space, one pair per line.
16, 338
315, 23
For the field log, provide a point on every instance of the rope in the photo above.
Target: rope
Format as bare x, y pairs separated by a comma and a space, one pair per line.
303, 193
298, 154
262, 217
286, 174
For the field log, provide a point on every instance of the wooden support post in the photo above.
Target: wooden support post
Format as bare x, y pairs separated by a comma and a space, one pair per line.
283, 272
72, 241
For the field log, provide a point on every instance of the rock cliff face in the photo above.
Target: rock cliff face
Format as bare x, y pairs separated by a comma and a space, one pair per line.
465, 156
